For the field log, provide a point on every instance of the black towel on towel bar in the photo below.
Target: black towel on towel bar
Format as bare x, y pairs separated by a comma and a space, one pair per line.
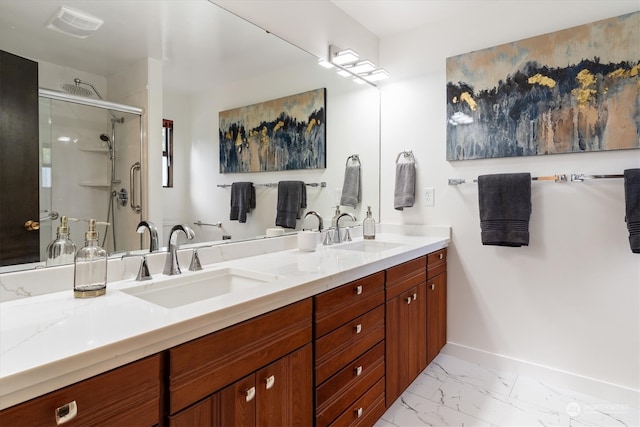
292, 198
243, 199
632, 207
505, 209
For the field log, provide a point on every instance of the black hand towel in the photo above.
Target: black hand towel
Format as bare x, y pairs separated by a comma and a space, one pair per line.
505, 209
243, 199
292, 198
632, 207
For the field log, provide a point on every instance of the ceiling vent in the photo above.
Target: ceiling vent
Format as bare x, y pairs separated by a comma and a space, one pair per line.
74, 23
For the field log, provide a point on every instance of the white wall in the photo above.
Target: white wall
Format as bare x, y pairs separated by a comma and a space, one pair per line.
569, 301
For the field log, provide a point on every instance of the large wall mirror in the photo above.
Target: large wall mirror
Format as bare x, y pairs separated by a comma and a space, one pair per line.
185, 61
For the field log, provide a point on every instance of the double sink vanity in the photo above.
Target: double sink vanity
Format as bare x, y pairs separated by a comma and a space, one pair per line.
265, 334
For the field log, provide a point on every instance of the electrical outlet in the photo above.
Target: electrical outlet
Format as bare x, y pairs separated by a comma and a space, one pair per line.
429, 196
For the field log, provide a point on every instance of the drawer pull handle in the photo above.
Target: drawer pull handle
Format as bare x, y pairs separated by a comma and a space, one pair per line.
358, 412
415, 296
250, 394
432, 287
358, 371
66, 412
441, 256
358, 290
269, 382
408, 300
358, 328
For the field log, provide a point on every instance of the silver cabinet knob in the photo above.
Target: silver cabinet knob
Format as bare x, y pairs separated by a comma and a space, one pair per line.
66, 412
270, 381
432, 286
358, 290
358, 328
407, 300
249, 394
441, 256
358, 371
415, 296
358, 412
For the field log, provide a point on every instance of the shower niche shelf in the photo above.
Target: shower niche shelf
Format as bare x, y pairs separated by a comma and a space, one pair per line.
103, 184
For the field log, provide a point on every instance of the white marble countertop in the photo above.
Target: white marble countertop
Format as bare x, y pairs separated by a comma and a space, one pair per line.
53, 340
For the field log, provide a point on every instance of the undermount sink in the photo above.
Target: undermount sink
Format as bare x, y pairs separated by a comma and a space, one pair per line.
368, 246
189, 288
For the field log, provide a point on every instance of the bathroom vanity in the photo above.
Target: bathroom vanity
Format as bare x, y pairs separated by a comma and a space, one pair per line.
329, 337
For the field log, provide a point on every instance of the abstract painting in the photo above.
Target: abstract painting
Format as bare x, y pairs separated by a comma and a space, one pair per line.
282, 134
575, 90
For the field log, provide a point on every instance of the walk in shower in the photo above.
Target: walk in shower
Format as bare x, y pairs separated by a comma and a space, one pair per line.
90, 154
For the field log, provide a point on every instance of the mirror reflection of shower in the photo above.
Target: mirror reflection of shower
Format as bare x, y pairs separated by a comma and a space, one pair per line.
79, 88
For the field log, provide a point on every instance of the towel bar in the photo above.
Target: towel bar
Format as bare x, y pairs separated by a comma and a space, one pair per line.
554, 178
275, 184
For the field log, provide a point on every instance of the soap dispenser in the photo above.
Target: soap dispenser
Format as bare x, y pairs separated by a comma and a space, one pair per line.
61, 250
369, 226
90, 270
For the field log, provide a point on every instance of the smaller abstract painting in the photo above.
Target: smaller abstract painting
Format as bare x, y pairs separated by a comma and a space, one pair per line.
575, 90
282, 134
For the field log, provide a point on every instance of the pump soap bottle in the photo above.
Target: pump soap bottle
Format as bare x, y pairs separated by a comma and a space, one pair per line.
90, 270
62, 250
369, 226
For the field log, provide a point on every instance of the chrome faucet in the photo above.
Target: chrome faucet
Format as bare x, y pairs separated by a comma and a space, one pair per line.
338, 238
153, 234
143, 271
314, 213
172, 266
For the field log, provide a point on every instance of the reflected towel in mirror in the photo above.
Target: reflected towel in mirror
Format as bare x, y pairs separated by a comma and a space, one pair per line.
352, 187
243, 199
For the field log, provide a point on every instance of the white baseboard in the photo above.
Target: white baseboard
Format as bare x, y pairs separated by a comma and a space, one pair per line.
608, 391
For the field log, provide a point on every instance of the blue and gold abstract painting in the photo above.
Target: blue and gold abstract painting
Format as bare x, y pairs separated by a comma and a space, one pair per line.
282, 134
575, 90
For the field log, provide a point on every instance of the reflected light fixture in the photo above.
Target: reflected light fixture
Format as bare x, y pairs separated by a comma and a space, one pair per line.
348, 65
342, 56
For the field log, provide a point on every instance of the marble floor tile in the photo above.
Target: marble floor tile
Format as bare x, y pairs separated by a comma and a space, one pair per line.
444, 366
454, 392
414, 410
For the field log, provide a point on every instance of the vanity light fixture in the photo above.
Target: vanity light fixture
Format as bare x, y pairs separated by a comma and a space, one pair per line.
376, 75
360, 67
74, 22
342, 56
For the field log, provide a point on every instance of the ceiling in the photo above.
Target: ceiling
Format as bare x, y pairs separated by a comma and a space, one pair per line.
403, 15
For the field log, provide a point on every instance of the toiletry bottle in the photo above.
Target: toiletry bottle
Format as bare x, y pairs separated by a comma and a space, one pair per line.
62, 250
90, 272
334, 220
369, 226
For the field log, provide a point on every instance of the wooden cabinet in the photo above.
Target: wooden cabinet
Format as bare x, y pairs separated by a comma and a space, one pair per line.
436, 303
129, 395
349, 353
258, 372
406, 326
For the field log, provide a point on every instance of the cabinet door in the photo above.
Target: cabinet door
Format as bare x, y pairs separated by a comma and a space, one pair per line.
405, 340
203, 413
436, 315
284, 391
238, 403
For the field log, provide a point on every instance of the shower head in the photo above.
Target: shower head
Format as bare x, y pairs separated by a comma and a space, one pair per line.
76, 89
105, 138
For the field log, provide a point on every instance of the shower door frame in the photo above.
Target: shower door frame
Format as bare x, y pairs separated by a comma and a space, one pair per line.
107, 106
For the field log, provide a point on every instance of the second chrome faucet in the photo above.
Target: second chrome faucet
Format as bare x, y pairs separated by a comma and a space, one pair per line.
172, 266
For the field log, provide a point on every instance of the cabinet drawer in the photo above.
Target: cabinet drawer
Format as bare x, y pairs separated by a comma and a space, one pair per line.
200, 367
112, 398
366, 410
353, 381
343, 345
405, 276
337, 306
436, 263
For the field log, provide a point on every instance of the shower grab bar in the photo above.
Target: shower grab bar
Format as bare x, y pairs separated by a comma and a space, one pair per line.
132, 188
